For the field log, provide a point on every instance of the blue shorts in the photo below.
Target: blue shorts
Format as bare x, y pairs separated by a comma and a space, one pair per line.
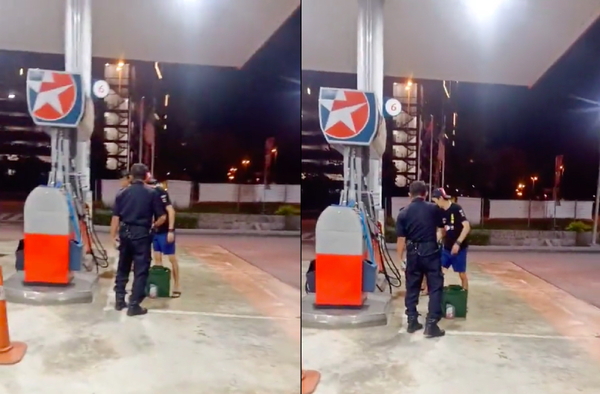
161, 245
457, 262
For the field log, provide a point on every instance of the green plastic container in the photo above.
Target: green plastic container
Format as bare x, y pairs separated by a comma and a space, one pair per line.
457, 297
161, 278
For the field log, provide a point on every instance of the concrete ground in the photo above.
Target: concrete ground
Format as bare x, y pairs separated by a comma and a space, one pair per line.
236, 329
523, 335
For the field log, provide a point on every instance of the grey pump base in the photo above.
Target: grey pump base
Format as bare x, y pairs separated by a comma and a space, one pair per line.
79, 291
374, 312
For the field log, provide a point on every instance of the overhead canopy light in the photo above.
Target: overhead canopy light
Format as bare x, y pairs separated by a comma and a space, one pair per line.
230, 31
484, 9
483, 41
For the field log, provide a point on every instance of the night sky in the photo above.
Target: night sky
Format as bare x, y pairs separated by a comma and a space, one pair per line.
539, 123
225, 115
217, 117
512, 133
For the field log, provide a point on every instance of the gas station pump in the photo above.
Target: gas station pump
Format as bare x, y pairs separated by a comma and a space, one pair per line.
350, 247
57, 216
346, 267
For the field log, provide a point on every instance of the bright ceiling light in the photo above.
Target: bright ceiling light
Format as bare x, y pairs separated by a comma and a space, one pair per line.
484, 8
157, 69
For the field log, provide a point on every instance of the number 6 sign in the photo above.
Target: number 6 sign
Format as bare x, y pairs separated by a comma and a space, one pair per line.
100, 89
393, 107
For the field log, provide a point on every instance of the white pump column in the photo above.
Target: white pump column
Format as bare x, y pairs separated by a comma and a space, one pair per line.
370, 74
78, 59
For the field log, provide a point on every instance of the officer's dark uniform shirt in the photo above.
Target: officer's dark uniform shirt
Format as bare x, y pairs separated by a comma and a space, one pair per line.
136, 206
453, 219
165, 201
418, 222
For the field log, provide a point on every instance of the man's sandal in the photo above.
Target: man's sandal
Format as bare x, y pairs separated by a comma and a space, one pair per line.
176, 294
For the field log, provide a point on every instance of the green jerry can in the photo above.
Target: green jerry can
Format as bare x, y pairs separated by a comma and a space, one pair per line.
456, 297
159, 282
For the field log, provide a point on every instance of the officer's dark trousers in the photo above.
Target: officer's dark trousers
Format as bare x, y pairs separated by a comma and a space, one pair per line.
134, 252
424, 262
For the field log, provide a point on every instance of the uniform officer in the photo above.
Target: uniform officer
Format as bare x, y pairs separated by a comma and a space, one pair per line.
416, 228
133, 213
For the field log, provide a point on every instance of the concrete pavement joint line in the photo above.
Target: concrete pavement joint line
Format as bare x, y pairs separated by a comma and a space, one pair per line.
256, 267
254, 273
210, 314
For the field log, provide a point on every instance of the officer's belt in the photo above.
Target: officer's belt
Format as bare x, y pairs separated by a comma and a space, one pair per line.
144, 225
423, 249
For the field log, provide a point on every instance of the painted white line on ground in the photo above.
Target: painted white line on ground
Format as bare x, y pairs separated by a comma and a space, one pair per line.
511, 335
210, 314
269, 293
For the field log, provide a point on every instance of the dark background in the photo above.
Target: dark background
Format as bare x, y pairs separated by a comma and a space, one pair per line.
507, 134
217, 117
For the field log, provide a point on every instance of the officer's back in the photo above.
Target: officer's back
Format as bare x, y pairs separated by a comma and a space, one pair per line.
136, 206
417, 224
419, 221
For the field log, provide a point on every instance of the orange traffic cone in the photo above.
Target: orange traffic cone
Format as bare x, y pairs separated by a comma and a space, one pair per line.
10, 353
310, 381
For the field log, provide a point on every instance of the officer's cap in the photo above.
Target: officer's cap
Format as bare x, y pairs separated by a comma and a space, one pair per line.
440, 193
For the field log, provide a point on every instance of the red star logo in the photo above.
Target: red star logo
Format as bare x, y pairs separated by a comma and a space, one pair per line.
55, 96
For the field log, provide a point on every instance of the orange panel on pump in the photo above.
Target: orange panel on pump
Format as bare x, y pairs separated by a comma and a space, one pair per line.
338, 280
46, 259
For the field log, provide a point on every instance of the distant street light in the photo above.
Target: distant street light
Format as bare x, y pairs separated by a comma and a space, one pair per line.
533, 181
11, 96
246, 163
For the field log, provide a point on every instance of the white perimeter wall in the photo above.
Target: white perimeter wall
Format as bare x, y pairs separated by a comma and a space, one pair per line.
519, 209
514, 209
471, 206
181, 192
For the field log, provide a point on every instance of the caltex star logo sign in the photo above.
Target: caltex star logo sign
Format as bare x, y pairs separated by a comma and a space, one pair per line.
54, 98
347, 116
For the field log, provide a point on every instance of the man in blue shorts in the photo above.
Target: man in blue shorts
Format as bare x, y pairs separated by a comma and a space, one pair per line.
164, 239
457, 228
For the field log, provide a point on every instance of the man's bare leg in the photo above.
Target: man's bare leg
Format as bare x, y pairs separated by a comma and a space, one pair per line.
175, 267
157, 258
464, 280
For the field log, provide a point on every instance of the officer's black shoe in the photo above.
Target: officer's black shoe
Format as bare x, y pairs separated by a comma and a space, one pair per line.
413, 325
136, 310
120, 304
432, 330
